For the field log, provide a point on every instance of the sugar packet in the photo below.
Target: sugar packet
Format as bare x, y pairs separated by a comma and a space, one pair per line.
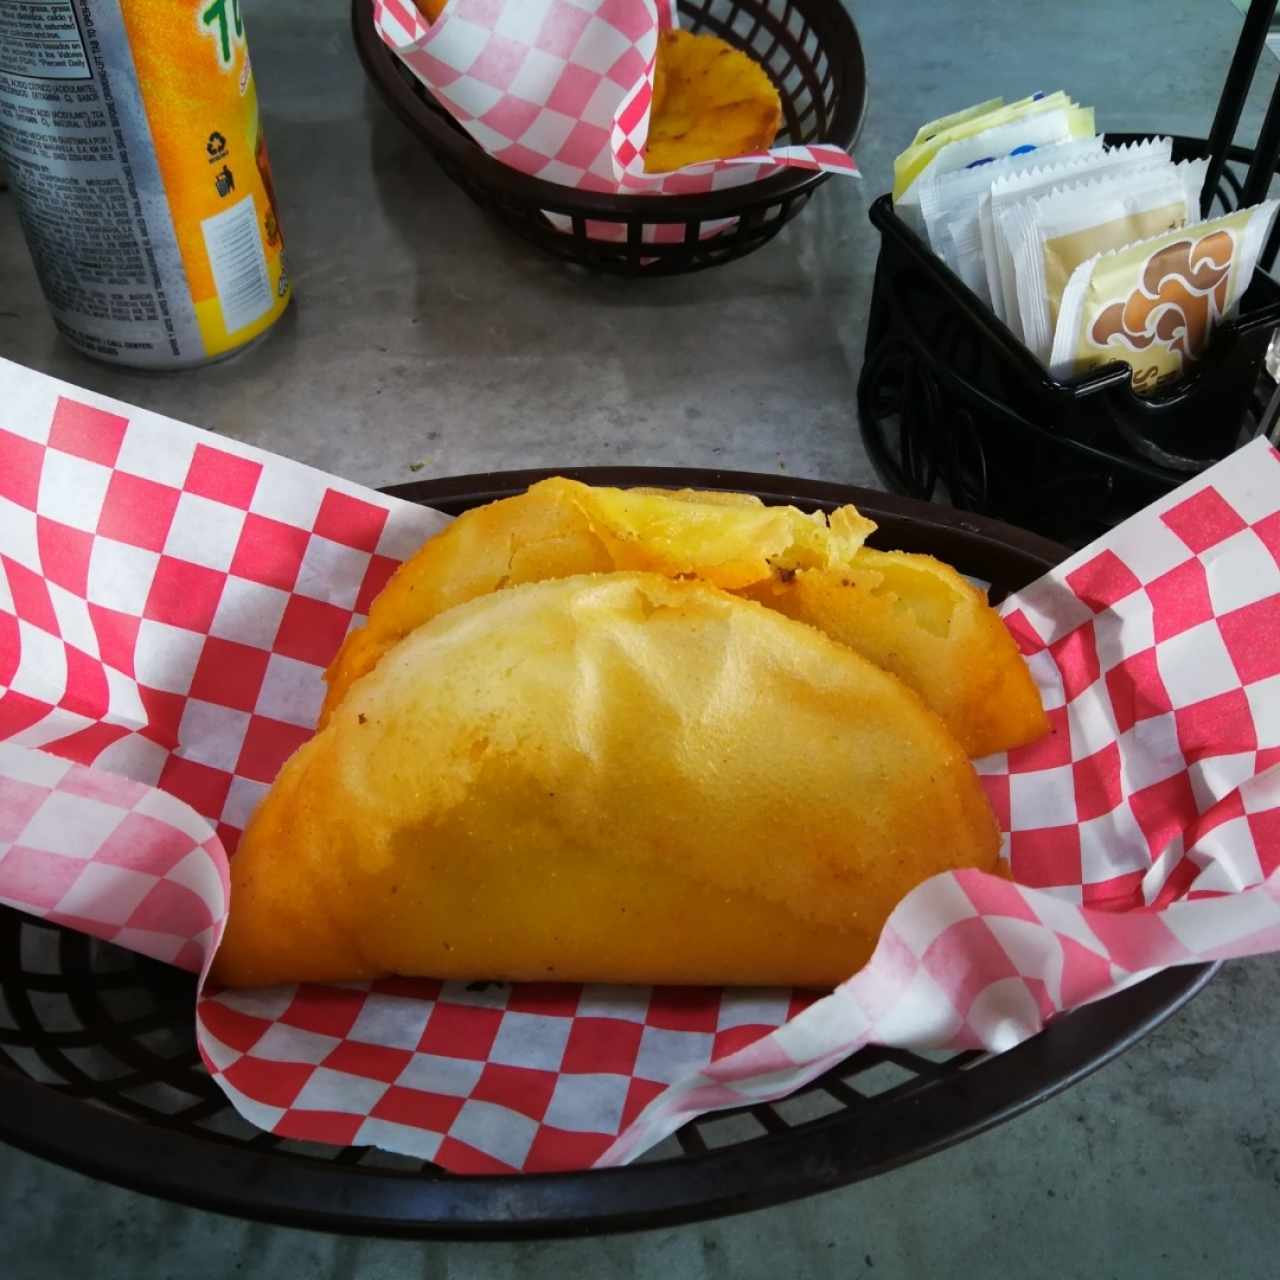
934, 127
950, 201
1056, 171
1065, 120
1153, 304
1046, 239
1020, 138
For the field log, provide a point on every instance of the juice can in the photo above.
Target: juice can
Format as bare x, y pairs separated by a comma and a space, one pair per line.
131, 134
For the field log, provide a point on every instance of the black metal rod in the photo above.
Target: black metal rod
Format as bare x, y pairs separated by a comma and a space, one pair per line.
1271, 247
1265, 154
1244, 63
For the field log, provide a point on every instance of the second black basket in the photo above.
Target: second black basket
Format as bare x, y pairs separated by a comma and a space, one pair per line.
811, 51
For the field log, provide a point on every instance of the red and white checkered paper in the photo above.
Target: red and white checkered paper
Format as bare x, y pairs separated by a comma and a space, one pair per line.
561, 89
169, 599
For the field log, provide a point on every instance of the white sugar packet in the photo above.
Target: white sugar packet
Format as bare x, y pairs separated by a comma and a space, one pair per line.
935, 134
1041, 128
1046, 239
949, 201
1005, 191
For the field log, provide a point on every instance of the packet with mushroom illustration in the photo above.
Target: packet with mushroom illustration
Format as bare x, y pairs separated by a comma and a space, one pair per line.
1154, 303
1046, 239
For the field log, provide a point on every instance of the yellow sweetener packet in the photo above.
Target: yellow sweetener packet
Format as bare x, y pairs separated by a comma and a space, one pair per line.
927, 131
1154, 304
908, 166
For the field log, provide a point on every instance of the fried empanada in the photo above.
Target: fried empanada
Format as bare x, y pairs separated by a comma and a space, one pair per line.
617, 778
710, 102
561, 527
921, 620
910, 614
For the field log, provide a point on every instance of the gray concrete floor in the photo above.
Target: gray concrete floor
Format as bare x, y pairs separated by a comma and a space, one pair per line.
423, 335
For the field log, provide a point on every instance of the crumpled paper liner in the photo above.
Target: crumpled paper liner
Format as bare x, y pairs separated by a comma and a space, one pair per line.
561, 90
169, 599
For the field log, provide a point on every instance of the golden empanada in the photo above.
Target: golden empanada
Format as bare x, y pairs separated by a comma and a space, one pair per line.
616, 777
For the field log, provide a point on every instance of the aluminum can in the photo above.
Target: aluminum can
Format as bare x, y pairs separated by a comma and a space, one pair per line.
131, 134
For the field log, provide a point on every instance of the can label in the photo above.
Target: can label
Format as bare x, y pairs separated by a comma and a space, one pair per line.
131, 133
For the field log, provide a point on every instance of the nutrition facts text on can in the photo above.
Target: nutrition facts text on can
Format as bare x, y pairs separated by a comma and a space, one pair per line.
42, 39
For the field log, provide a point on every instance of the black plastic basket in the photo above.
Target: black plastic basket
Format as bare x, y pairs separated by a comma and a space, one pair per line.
810, 49
99, 1069
951, 401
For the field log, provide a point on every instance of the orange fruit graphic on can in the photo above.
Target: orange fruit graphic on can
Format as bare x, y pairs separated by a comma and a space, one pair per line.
132, 139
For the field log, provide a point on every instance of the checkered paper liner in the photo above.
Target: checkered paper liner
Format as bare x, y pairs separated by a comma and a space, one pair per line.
561, 89
168, 600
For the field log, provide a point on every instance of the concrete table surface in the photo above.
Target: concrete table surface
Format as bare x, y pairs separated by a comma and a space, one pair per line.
425, 341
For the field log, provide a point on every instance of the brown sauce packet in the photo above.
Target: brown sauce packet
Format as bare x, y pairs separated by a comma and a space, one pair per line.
1154, 303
